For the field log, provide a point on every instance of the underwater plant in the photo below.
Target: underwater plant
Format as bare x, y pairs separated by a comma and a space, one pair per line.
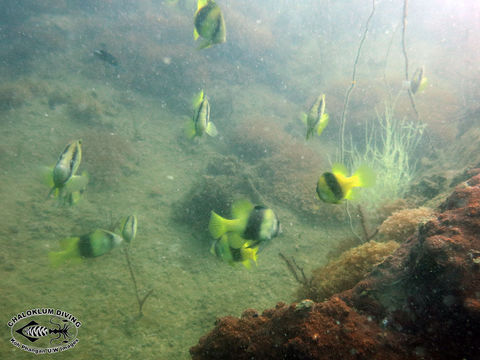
390, 143
128, 227
402, 224
343, 273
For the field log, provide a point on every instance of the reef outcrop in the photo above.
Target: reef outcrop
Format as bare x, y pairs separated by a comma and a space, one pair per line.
422, 302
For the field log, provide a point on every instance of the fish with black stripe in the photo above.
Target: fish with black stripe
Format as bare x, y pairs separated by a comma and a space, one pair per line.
94, 244
419, 81
256, 224
209, 24
129, 228
200, 122
316, 120
66, 166
335, 186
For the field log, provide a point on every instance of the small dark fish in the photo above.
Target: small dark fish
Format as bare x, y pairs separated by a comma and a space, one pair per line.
104, 55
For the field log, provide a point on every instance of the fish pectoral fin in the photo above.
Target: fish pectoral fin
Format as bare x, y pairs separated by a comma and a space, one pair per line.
304, 118
352, 194
205, 45
322, 123
77, 183
195, 34
235, 241
247, 263
211, 129
423, 85
201, 4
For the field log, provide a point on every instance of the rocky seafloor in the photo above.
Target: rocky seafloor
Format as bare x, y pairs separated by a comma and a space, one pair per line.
422, 302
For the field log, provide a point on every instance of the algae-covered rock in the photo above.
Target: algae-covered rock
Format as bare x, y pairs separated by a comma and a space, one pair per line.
402, 224
343, 273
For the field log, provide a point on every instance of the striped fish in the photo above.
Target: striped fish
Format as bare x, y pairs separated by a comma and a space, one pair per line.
317, 119
129, 228
209, 24
201, 118
67, 165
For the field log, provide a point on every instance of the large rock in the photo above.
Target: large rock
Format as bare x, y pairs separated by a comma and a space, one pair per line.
423, 302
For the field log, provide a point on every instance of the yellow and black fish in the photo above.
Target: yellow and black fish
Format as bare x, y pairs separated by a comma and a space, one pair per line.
201, 123
254, 224
419, 81
317, 119
74, 249
209, 24
67, 165
129, 228
244, 254
334, 186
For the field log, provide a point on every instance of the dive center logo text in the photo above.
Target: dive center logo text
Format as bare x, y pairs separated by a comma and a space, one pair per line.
44, 331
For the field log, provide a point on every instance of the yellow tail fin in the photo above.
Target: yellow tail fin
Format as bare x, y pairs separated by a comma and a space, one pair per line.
365, 177
70, 252
218, 225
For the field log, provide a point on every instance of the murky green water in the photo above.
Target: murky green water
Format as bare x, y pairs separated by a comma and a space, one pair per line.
131, 119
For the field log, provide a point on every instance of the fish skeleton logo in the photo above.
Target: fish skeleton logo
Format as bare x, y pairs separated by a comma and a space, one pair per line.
44, 331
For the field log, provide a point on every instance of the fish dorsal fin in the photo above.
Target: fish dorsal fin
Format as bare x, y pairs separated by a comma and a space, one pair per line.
201, 4
197, 99
339, 169
304, 118
66, 244
241, 209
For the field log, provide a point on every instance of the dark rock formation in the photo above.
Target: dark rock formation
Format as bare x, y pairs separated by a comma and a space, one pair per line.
423, 302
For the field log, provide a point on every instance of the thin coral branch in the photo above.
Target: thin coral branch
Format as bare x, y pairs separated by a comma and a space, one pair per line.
140, 301
352, 85
404, 50
363, 222
295, 270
